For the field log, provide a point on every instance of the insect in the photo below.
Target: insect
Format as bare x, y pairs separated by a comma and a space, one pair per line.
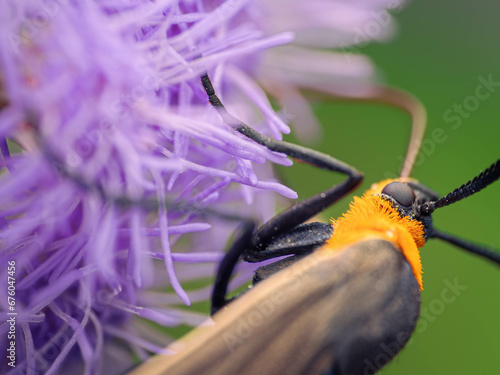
347, 292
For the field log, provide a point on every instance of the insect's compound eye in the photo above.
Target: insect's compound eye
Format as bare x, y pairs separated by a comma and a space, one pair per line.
402, 193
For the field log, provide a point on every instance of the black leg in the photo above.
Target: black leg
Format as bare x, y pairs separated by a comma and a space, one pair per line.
273, 238
298, 242
301, 211
227, 265
482, 251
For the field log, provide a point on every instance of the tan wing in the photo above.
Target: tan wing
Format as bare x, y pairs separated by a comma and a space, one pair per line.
326, 312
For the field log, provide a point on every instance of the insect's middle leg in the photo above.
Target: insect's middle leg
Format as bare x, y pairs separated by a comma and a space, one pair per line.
226, 267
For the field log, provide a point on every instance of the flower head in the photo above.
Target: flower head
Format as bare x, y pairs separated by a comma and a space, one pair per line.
116, 172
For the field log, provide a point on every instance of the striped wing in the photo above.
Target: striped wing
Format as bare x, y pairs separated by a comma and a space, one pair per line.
345, 313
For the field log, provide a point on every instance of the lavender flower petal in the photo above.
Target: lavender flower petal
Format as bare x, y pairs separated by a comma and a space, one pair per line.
105, 102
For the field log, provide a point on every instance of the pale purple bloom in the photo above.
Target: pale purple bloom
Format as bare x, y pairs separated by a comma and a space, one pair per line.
104, 99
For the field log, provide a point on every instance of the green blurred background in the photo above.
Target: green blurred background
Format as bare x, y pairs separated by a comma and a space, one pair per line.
439, 53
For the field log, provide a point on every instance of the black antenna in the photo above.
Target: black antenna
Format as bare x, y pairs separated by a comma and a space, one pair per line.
475, 185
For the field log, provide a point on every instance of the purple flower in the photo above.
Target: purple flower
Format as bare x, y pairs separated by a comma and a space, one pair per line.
101, 107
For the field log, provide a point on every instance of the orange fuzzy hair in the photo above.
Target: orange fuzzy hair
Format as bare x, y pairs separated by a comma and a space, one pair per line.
372, 216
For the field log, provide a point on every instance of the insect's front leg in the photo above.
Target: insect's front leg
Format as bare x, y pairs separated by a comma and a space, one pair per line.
285, 226
301, 211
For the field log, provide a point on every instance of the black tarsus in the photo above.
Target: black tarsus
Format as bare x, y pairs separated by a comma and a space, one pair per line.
300, 212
